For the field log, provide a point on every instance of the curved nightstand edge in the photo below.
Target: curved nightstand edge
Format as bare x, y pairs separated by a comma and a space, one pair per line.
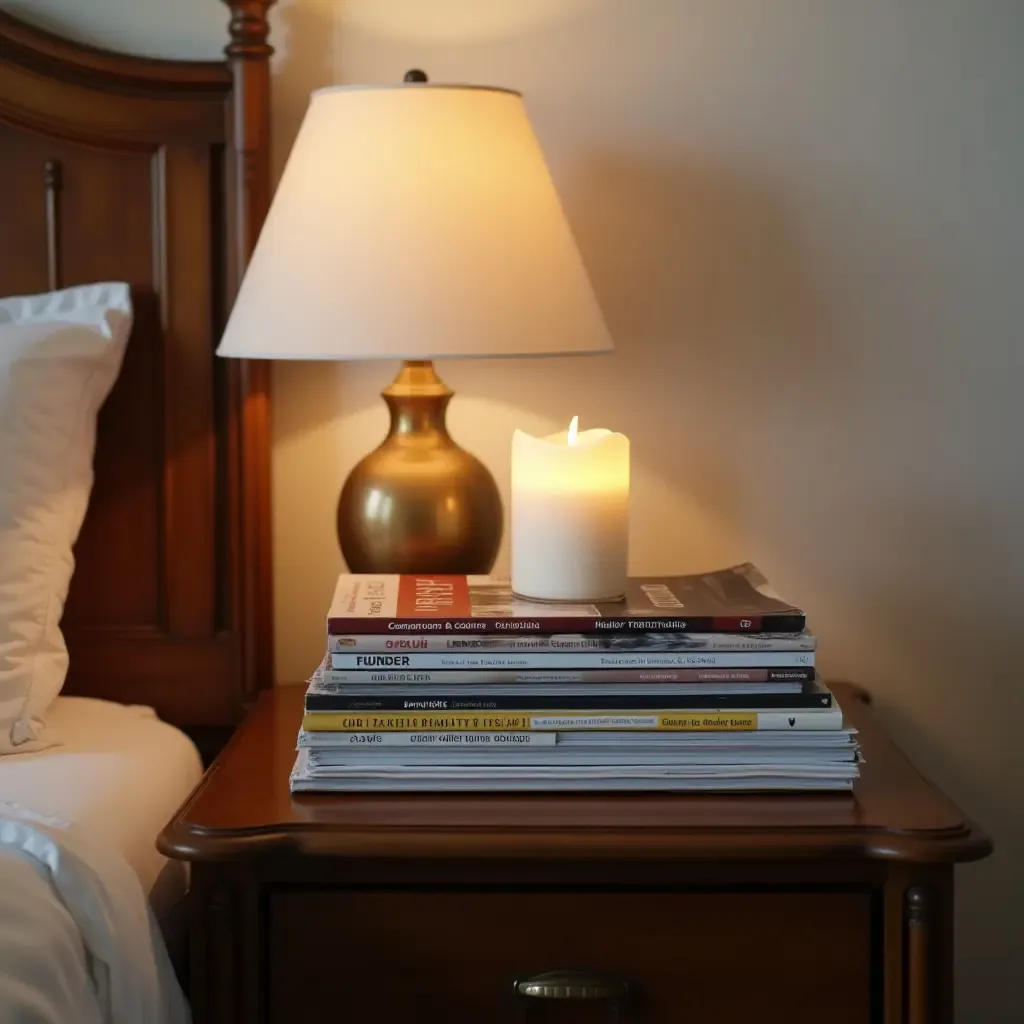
194, 844
165, 843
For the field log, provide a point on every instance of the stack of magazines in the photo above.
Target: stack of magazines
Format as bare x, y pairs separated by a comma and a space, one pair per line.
454, 683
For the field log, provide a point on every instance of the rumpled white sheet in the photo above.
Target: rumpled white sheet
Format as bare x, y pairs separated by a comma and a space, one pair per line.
78, 942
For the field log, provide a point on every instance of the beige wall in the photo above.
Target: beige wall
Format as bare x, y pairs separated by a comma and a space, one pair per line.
804, 221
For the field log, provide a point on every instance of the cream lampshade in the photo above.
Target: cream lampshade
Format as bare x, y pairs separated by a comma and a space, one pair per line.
416, 221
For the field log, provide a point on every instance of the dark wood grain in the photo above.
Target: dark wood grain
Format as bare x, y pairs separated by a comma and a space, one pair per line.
918, 916
453, 955
52, 176
245, 805
156, 173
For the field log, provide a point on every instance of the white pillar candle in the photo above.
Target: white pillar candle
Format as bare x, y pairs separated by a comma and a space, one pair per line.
570, 515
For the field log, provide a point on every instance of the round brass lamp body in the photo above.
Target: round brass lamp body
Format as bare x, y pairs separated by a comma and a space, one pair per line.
419, 503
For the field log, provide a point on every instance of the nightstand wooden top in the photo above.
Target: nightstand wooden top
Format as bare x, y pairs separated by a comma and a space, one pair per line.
243, 808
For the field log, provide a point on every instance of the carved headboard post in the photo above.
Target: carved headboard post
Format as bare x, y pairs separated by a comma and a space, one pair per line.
248, 54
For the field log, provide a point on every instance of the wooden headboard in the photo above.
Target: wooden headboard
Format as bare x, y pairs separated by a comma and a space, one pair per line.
115, 167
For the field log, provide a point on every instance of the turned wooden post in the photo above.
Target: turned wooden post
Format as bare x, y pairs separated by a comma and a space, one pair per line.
248, 54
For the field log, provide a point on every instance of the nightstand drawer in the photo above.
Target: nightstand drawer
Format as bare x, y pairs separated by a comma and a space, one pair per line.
454, 956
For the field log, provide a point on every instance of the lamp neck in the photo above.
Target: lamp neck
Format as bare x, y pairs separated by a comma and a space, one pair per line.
417, 399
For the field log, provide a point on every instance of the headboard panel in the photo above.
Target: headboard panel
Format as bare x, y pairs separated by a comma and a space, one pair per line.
157, 173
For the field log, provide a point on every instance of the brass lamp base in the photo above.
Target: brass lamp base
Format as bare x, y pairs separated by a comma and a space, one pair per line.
419, 503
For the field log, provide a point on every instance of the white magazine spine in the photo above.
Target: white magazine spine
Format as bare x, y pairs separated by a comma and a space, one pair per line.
580, 660
439, 740
568, 642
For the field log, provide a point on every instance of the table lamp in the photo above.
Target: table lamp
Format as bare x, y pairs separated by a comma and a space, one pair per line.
416, 221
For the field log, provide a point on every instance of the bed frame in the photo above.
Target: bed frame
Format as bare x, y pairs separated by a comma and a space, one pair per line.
155, 172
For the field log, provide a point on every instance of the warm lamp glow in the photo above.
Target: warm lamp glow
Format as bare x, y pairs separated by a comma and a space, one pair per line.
415, 221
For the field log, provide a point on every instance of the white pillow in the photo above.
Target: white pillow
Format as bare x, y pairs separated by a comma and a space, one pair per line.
60, 354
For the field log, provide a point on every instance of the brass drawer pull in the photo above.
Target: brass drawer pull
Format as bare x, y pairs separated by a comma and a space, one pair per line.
578, 985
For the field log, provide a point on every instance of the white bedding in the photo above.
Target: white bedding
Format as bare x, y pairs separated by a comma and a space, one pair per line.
78, 943
118, 773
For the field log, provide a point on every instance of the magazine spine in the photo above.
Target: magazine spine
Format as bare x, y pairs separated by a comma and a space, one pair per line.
463, 676
646, 721
323, 702
438, 740
579, 659
784, 622
566, 642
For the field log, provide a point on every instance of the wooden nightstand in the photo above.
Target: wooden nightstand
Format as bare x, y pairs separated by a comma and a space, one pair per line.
799, 909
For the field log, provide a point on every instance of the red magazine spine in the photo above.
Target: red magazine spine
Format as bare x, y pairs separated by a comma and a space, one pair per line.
781, 623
